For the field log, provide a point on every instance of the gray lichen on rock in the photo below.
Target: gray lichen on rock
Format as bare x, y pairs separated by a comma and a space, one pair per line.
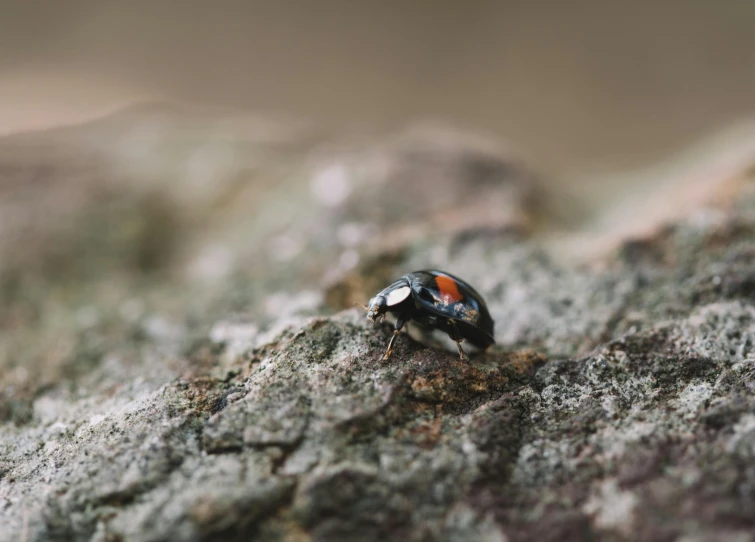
149, 397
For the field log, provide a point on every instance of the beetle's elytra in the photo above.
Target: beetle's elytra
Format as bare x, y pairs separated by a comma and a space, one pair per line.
435, 300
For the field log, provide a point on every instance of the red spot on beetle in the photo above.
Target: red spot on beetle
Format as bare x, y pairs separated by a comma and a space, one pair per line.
449, 292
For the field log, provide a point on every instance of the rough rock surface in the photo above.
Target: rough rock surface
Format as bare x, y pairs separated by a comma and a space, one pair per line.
181, 362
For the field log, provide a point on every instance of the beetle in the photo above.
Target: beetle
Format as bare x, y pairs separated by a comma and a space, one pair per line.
435, 300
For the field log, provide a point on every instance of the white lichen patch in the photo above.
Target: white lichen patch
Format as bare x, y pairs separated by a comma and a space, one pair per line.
715, 331
465, 523
742, 443
611, 508
539, 455
615, 440
558, 397
692, 398
97, 419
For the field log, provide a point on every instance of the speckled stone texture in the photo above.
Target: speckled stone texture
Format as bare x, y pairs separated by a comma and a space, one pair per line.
180, 357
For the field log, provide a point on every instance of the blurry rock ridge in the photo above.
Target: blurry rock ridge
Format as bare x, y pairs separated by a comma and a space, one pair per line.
181, 358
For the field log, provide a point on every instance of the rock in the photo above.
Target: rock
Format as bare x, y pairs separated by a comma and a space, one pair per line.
152, 403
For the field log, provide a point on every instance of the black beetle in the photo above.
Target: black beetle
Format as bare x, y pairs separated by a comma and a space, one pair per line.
435, 300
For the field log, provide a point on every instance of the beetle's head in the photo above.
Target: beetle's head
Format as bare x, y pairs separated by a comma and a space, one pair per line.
377, 308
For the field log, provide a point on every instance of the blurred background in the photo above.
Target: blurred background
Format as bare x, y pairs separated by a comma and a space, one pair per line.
581, 88
168, 165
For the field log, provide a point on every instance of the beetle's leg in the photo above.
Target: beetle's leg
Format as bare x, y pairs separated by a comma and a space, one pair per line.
396, 330
456, 337
462, 355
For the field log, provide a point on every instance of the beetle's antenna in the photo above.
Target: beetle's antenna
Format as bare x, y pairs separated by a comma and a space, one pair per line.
358, 304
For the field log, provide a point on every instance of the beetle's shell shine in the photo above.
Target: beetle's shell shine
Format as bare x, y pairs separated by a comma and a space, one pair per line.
437, 298
445, 296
